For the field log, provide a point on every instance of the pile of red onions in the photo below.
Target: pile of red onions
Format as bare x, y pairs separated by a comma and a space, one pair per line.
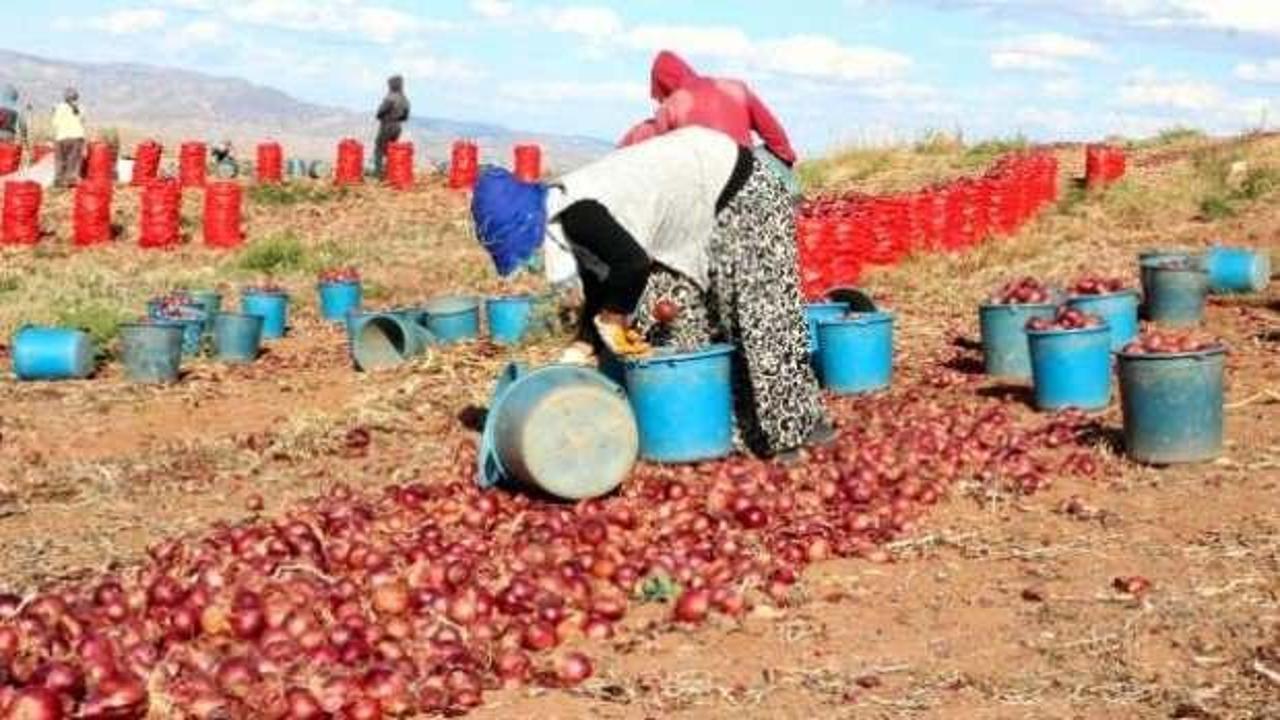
423, 597
1066, 318
1024, 291
1158, 342
1097, 285
339, 275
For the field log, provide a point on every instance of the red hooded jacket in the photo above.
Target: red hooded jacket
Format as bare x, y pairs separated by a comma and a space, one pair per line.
719, 104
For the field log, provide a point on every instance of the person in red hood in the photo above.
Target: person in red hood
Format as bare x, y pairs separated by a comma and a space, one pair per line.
729, 106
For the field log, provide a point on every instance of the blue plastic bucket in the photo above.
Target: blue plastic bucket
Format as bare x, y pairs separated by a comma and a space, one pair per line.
151, 352
453, 319
1148, 260
1237, 270
565, 430
210, 303
683, 404
379, 341
856, 353
49, 353
815, 313
237, 338
1071, 368
1005, 350
339, 298
508, 318
272, 306
1119, 310
1177, 296
1172, 406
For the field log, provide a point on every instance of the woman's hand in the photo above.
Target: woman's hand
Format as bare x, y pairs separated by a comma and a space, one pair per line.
621, 339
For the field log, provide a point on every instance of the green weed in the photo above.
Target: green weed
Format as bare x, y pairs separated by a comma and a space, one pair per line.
286, 194
101, 321
275, 255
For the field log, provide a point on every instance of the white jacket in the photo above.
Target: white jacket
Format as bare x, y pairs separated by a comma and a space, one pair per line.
67, 123
663, 192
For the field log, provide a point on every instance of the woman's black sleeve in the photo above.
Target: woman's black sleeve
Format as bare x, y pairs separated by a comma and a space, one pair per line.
598, 239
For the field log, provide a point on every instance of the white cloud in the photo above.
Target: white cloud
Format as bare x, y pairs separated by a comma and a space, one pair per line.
129, 21
1067, 88
552, 92
820, 57
1186, 95
1265, 71
716, 41
355, 18
492, 9
197, 32
1043, 52
589, 21
422, 65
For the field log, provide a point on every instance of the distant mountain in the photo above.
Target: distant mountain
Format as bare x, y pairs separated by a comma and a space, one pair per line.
173, 105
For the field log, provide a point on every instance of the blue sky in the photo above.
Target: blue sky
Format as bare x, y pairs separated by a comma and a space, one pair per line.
837, 72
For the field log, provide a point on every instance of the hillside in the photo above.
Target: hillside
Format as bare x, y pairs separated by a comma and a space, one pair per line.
173, 105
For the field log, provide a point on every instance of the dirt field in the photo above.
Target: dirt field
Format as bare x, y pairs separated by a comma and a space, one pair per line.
1000, 605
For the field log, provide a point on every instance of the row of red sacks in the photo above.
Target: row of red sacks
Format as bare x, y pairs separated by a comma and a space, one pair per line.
840, 236
159, 215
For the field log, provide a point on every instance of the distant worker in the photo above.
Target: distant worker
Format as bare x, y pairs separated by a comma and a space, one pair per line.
224, 160
687, 98
392, 114
13, 127
68, 137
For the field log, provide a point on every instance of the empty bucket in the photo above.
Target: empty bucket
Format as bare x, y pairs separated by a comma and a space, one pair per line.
856, 352
380, 341
1172, 406
683, 404
48, 353
1177, 296
339, 298
1004, 337
1237, 270
1119, 310
273, 306
237, 338
565, 430
508, 318
1071, 368
453, 319
1150, 259
152, 352
815, 313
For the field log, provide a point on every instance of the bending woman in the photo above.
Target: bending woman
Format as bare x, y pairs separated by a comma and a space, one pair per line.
688, 217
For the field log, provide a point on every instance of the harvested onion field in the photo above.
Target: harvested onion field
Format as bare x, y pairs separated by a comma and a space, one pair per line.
292, 538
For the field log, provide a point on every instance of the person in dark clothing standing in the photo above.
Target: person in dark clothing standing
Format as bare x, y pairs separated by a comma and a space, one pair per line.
392, 113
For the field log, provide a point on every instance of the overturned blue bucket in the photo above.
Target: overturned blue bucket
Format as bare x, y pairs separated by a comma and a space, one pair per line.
683, 404
856, 353
337, 299
508, 318
815, 313
1119, 310
50, 353
565, 430
453, 319
1071, 368
1173, 406
1237, 270
1005, 350
272, 306
379, 341
1178, 295
151, 351
237, 338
